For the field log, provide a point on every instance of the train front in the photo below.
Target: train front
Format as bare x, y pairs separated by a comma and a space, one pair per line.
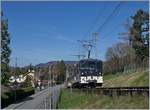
90, 71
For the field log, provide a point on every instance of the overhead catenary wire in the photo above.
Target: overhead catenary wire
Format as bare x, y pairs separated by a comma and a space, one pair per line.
109, 17
95, 21
114, 12
106, 35
121, 34
106, 20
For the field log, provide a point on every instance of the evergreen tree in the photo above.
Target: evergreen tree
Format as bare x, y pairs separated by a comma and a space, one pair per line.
27, 82
140, 34
62, 72
31, 67
5, 51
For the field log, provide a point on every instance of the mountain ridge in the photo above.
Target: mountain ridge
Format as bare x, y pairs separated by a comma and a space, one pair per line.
55, 62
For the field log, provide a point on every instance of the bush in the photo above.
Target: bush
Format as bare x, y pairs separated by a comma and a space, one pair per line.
5, 101
8, 97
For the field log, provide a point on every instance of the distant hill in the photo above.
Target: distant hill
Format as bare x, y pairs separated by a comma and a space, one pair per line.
55, 62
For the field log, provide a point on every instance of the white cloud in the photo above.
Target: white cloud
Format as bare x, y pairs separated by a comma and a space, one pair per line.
60, 37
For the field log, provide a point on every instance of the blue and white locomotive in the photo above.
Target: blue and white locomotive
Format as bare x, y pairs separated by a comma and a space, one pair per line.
90, 73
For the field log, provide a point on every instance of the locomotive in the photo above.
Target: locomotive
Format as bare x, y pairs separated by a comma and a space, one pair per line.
89, 71
89, 74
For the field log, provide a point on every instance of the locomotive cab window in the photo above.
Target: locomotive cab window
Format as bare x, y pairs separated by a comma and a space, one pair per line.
99, 67
87, 65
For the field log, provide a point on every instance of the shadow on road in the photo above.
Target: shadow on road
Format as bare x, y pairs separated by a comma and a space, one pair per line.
26, 99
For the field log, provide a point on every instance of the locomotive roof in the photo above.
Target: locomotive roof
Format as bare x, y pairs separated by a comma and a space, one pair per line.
90, 59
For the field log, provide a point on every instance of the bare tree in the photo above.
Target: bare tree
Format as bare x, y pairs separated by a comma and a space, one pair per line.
118, 57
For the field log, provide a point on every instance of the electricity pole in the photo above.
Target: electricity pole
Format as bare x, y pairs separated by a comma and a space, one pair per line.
39, 81
49, 84
95, 39
15, 83
87, 44
49, 70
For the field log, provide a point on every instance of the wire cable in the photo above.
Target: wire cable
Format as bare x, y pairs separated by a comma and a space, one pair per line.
109, 17
95, 21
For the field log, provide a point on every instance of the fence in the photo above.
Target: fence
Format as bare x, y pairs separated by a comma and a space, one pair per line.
45, 103
115, 91
136, 67
50, 101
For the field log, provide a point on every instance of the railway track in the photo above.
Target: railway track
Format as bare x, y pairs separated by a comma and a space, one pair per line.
115, 91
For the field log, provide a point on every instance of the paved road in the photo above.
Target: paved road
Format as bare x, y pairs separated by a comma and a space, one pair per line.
40, 100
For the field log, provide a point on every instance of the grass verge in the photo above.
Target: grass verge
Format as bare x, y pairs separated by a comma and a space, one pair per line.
76, 100
140, 78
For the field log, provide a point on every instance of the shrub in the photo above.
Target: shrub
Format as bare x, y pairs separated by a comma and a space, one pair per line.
8, 97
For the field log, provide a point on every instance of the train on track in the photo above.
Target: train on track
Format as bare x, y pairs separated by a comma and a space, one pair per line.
89, 74
89, 70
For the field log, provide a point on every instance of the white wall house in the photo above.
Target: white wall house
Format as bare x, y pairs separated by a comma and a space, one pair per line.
22, 78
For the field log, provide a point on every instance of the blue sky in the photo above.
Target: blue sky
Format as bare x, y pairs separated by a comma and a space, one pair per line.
47, 31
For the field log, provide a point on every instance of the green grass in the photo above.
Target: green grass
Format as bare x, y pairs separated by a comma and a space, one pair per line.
92, 101
76, 100
127, 79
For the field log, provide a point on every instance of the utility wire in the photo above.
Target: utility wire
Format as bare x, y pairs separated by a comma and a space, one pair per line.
109, 17
115, 11
106, 21
95, 21
111, 29
98, 17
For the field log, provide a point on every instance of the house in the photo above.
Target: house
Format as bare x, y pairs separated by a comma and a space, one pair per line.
22, 78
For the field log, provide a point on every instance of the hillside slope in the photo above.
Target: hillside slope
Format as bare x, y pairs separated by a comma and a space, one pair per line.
140, 78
